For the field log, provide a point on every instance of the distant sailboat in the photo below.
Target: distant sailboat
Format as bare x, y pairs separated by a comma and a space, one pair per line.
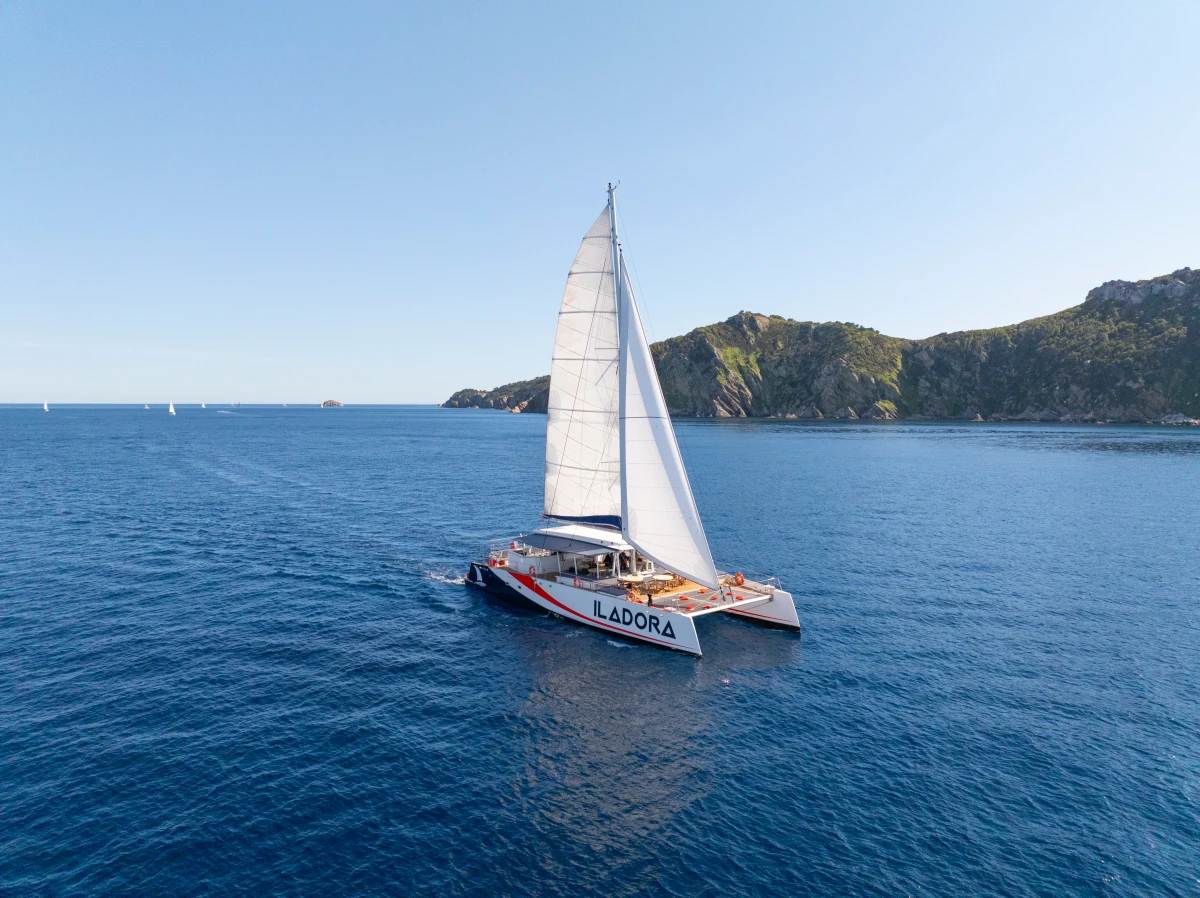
171, 410
45, 407
146, 405
202, 405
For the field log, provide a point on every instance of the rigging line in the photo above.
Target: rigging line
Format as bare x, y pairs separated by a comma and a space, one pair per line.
641, 293
684, 454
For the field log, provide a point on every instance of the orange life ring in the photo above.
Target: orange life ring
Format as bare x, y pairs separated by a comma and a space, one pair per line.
578, 583
629, 595
739, 579
533, 570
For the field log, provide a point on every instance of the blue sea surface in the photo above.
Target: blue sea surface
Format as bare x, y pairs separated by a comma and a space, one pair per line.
237, 657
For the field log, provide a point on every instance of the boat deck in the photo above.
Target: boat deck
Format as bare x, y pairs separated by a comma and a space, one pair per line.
679, 596
694, 600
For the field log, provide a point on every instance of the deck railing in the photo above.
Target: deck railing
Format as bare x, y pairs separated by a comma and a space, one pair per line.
496, 550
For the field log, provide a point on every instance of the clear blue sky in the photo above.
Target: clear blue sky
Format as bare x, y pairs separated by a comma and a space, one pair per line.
379, 202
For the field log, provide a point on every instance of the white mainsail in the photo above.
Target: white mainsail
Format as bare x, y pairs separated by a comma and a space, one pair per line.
611, 454
171, 410
583, 454
658, 510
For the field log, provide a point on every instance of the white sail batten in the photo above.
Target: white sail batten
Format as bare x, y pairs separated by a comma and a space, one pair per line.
658, 511
583, 463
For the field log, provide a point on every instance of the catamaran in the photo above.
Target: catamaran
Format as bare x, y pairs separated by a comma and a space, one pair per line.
626, 552
171, 410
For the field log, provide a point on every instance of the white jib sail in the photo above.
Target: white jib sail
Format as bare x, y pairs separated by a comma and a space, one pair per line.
583, 453
657, 508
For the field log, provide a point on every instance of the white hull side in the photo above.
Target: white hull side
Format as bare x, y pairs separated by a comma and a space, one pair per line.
780, 611
607, 613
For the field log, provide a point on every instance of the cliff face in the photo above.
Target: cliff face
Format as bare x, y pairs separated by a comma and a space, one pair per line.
1130, 352
754, 366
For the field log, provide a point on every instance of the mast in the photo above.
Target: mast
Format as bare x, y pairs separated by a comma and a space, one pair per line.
616, 249
616, 260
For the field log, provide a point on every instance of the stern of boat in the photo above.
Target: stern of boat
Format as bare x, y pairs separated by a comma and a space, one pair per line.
491, 579
779, 612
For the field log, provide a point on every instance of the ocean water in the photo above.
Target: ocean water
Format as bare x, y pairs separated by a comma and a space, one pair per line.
237, 657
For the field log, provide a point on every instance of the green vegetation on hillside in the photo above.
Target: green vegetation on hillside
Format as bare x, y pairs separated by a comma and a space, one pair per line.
1130, 352
754, 365
519, 396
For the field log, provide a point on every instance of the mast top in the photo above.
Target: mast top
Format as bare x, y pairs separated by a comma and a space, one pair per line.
612, 217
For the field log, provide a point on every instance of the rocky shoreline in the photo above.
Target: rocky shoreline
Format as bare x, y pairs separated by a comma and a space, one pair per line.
1130, 353
520, 396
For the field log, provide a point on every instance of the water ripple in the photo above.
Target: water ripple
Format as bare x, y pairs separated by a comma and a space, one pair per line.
237, 657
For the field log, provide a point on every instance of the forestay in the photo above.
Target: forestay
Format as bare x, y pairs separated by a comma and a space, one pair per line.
583, 463
658, 511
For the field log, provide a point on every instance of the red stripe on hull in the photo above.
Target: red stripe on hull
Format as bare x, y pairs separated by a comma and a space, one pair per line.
528, 582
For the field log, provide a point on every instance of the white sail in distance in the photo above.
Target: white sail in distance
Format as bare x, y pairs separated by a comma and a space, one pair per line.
658, 511
583, 453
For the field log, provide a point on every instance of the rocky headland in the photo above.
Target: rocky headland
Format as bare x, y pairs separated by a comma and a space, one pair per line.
1129, 353
520, 396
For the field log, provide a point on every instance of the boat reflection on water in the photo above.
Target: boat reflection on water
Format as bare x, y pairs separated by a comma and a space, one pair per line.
619, 739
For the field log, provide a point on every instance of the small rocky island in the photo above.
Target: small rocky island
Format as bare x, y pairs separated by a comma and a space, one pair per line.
331, 403
1129, 353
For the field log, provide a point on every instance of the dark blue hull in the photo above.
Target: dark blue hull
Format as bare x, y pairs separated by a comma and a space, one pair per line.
483, 577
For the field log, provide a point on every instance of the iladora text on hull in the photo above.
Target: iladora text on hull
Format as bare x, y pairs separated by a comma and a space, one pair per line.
627, 554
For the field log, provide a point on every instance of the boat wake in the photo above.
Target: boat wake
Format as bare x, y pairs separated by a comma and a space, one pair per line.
458, 580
